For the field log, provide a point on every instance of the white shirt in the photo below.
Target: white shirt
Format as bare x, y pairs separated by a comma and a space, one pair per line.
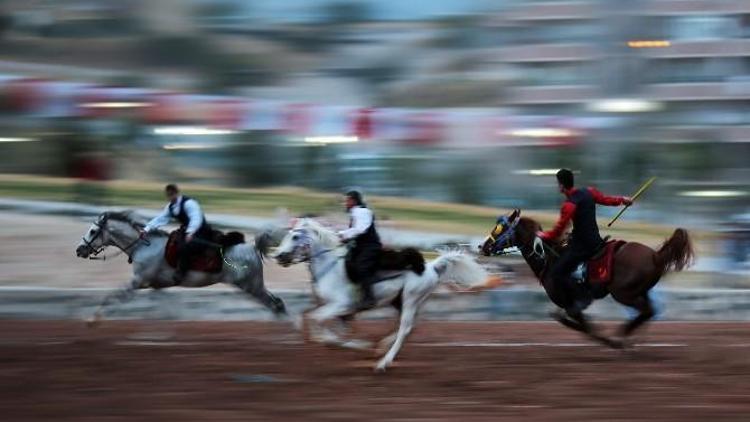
361, 220
192, 209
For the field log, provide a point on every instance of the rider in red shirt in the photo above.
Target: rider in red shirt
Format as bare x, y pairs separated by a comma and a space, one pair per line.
580, 209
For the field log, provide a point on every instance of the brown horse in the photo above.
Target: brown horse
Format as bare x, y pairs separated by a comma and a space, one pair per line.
635, 270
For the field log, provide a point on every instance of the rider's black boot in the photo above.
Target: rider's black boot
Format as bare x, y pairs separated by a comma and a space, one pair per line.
178, 276
580, 295
368, 300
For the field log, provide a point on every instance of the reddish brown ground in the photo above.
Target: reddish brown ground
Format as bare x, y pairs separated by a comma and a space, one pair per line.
259, 371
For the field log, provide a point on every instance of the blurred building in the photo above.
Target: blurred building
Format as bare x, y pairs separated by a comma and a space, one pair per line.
475, 100
690, 59
664, 83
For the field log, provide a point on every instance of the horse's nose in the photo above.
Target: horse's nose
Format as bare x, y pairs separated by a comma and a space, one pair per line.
81, 251
484, 249
282, 258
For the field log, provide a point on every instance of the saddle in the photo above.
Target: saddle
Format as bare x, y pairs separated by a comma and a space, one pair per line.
208, 261
393, 263
598, 269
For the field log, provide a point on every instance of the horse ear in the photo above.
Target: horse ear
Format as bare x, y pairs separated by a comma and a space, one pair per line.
516, 212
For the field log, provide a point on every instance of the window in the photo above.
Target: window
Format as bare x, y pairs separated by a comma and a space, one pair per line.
705, 27
551, 33
709, 69
557, 73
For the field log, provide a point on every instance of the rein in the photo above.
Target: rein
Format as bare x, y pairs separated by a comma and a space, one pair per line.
122, 250
317, 275
538, 250
95, 252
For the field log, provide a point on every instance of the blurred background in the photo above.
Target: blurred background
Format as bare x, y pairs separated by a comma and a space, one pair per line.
472, 102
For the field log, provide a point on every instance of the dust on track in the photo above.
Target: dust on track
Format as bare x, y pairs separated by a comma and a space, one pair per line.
225, 371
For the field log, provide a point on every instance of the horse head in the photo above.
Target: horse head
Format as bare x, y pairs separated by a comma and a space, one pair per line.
502, 235
305, 237
109, 229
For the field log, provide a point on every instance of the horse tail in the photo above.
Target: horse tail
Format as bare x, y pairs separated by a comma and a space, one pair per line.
414, 260
676, 253
263, 242
459, 270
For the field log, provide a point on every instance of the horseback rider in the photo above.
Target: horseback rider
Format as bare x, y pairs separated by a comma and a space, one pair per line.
580, 208
365, 246
194, 230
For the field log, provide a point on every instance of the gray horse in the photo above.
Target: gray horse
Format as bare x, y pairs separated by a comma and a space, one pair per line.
243, 263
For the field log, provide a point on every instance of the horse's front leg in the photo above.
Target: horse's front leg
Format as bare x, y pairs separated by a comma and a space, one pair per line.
122, 295
317, 318
579, 322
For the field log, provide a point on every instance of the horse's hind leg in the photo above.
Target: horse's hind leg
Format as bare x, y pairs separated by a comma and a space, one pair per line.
411, 304
270, 301
385, 343
645, 312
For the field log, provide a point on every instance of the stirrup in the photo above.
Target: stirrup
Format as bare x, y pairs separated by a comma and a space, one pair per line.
579, 275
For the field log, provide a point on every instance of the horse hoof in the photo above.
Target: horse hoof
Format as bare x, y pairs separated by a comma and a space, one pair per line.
558, 315
617, 344
380, 368
297, 323
93, 322
357, 345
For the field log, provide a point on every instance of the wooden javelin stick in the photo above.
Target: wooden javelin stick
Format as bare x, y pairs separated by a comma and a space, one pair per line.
634, 197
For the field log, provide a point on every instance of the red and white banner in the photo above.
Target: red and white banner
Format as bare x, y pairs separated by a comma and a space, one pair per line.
419, 127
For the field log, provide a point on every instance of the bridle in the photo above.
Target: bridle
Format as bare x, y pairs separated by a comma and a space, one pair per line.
306, 243
536, 251
507, 239
94, 252
502, 243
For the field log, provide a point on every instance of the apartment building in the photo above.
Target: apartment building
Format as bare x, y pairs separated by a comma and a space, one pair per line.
687, 59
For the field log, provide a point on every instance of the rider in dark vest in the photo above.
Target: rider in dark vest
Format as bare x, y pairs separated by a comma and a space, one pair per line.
580, 208
194, 230
365, 246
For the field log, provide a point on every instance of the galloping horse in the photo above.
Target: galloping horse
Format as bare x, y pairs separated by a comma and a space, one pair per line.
150, 269
337, 296
636, 269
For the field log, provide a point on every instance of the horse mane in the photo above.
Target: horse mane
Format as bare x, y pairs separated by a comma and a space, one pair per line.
131, 218
323, 233
528, 223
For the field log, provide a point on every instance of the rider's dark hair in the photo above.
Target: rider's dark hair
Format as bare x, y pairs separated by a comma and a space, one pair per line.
356, 196
171, 188
565, 178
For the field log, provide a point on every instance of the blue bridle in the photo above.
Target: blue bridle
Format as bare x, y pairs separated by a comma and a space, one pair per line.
507, 236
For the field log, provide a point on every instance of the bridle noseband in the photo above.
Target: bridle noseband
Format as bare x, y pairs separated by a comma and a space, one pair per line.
505, 241
93, 251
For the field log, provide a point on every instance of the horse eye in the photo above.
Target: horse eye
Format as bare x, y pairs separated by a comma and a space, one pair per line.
295, 237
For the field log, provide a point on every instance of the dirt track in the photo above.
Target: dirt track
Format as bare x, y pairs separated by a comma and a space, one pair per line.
448, 371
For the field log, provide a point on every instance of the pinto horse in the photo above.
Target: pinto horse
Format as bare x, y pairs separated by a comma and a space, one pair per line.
636, 269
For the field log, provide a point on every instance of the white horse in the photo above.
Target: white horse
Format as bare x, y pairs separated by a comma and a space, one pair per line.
337, 296
243, 263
